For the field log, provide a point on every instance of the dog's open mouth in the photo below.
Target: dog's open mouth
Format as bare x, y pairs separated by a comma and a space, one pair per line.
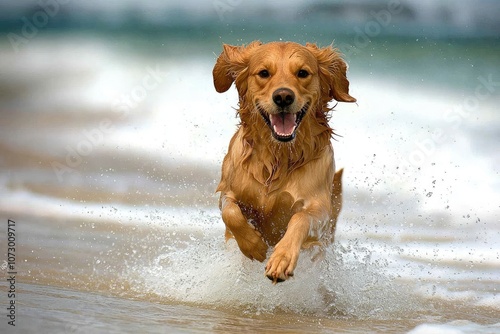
284, 125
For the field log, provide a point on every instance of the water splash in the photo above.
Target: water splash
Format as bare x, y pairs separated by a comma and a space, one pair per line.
198, 267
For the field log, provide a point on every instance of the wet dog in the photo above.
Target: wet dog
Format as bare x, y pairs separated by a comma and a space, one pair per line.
278, 186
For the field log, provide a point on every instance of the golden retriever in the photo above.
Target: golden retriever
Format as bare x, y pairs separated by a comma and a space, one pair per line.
278, 186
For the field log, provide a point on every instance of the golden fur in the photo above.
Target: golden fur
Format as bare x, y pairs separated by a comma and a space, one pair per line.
278, 186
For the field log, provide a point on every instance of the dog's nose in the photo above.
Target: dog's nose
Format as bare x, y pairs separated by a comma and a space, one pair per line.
283, 97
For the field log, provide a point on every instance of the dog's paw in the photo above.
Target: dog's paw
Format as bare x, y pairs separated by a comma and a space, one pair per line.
281, 264
251, 245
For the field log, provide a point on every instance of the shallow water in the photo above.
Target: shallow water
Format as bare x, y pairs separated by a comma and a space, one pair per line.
109, 178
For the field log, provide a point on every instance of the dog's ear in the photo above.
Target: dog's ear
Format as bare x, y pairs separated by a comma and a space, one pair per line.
231, 62
332, 74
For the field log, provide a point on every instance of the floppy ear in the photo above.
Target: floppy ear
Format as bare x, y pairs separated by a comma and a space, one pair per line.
332, 74
231, 62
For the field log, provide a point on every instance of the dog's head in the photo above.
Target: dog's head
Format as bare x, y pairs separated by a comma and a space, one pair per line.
284, 82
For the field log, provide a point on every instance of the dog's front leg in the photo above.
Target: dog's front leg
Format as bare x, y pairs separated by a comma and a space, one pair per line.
286, 252
249, 240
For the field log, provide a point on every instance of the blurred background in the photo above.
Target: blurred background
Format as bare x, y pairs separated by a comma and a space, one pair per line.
143, 69
108, 117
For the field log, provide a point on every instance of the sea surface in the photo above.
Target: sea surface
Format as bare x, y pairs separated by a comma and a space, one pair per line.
111, 146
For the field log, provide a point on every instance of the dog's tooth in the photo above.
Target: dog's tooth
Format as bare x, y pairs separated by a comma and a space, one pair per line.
283, 134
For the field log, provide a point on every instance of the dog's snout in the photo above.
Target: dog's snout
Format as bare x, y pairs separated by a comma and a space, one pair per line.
283, 97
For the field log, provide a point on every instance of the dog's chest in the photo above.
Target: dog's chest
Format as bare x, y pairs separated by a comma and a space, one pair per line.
270, 214
260, 202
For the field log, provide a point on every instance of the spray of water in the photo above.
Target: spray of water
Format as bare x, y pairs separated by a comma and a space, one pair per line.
194, 265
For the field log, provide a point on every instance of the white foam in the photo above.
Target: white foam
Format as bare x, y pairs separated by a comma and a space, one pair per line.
196, 266
456, 327
390, 136
490, 301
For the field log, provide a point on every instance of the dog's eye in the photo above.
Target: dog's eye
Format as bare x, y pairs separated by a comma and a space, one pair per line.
264, 74
303, 74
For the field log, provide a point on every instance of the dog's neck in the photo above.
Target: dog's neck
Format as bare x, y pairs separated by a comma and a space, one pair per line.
270, 161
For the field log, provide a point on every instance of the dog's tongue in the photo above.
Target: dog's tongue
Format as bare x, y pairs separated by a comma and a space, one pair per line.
283, 123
